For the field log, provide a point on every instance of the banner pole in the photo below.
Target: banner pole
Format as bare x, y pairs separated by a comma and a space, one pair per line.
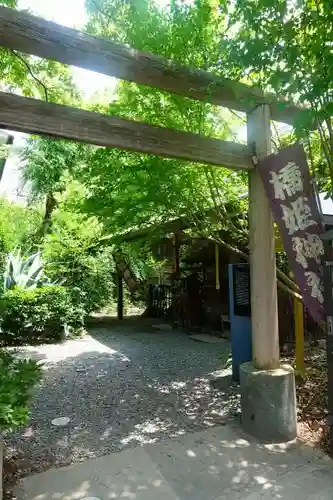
299, 334
328, 297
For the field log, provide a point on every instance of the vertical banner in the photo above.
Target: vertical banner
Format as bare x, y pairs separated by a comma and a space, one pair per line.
288, 186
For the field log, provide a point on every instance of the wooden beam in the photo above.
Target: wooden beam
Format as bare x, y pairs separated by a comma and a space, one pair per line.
39, 117
32, 35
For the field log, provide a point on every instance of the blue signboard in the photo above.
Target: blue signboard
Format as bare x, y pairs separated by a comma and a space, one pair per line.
240, 316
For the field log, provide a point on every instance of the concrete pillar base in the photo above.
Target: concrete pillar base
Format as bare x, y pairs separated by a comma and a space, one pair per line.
268, 402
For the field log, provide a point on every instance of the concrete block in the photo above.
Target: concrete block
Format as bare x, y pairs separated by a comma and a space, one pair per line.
268, 403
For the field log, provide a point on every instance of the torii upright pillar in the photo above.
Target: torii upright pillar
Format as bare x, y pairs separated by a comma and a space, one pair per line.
267, 388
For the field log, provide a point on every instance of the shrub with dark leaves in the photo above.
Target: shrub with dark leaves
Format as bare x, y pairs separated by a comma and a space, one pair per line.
39, 314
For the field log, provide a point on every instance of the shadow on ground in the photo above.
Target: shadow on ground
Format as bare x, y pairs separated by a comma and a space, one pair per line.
216, 464
121, 387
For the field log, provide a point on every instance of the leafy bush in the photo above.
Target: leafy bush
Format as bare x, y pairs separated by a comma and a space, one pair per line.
18, 224
17, 378
70, 252
30, 315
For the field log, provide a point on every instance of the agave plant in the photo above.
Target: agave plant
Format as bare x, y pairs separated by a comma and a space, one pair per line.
25, 272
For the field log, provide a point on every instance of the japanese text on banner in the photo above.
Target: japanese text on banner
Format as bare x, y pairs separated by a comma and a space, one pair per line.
288, 185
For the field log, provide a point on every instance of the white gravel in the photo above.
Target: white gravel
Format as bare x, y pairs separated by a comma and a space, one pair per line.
120, 387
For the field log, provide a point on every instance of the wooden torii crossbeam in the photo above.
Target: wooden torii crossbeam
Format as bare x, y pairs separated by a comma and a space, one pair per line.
35, 116
32, 35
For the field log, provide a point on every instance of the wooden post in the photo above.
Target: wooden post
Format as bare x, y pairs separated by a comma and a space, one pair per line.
120, 296
265, 336
176, 255
299, 334
217, 266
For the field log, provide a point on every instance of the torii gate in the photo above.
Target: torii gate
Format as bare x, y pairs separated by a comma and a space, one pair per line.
266, 381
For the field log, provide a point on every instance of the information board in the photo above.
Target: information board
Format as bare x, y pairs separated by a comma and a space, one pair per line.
241, 289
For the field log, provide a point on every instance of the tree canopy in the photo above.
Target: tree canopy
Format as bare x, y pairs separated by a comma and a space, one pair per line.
286, 47
257, 42
127, 190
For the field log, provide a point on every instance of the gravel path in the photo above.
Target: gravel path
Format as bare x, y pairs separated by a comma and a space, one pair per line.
120, 387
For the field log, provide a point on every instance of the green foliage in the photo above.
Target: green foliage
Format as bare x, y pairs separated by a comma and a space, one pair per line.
119, 190
188, 32
17, 379
9, 3
35, 77
70, 252
47, 161
38, 314
287, 47
17, 225
131, 190
127, 190
4, 151
139, 258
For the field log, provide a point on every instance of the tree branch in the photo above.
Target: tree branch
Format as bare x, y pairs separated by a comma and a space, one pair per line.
31, 73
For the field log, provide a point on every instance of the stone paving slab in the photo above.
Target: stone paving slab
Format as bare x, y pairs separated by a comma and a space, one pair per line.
224, 461
301, 484
217, 464
126, 475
